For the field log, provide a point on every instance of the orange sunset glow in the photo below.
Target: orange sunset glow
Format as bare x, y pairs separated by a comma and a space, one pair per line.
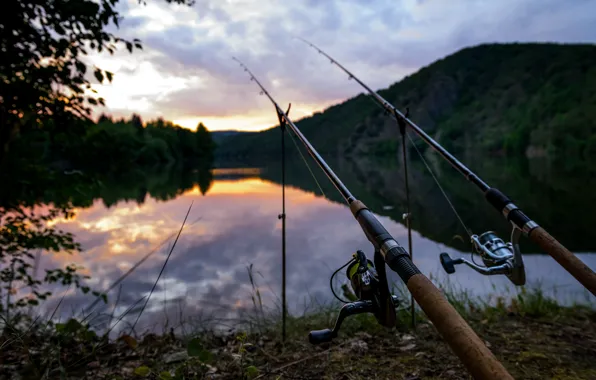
132, 230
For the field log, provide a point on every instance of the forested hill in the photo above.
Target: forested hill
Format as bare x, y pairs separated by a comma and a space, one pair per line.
533, 99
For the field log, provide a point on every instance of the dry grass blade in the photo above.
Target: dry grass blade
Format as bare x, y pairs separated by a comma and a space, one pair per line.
162, 268
304, 359
134, 267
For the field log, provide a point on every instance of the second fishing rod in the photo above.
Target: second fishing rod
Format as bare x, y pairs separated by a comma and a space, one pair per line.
488, 245
464, 342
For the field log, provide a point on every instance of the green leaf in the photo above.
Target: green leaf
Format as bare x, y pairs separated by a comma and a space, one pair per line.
205, 356
252, 372
90, 336
60, 327
109, 75
72, 325
165, 375
142, 371
85, 289
194, 348
33, 302
129, 46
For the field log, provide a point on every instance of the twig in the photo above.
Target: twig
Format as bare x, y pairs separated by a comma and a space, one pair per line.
304, 359
59, 303
115, 305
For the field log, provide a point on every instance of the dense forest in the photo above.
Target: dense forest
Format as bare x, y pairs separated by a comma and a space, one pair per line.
112, 144
516, 99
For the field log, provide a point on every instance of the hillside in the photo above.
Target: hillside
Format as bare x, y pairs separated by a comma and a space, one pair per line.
533, 99
219, 136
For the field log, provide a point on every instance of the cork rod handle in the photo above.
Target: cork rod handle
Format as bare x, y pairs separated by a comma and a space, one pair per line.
464, 342
565, 258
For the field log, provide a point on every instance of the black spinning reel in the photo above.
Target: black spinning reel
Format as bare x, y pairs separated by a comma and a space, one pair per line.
369, 282
498, 257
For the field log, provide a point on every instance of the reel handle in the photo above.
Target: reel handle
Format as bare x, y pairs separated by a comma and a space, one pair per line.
352, 308
448, 263
321, 336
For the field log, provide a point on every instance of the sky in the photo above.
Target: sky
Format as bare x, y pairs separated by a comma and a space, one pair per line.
185, 72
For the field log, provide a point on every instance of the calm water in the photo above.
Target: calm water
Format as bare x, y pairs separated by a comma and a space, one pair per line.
234, 223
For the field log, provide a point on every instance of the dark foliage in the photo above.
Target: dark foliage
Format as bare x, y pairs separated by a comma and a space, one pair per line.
46, 97
535, 99
42, 73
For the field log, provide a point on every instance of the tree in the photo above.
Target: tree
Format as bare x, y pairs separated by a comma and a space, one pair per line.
103, 118
205, 144
41, 71
137, 122
204, 177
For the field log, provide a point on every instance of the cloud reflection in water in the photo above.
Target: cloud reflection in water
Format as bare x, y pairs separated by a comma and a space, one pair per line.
238, 226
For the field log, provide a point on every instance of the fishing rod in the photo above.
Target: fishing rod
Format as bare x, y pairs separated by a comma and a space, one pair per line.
281, 118
369, 279
499, 257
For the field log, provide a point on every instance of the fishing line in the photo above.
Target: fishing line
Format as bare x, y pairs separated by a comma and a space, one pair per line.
436, 180
331, 280
370, 281
431, 173
439, 185
499, 257
307, 165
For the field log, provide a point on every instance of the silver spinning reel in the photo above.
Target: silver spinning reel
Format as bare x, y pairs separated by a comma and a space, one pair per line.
498, 257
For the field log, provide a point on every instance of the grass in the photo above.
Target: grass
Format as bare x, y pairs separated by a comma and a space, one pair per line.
530, 333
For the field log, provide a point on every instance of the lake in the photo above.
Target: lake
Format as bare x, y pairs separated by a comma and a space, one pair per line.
234, 224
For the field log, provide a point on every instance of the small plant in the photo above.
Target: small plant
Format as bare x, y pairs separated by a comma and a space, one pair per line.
22, 232
248, 371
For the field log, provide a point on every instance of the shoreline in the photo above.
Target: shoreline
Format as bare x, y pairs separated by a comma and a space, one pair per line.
531, 335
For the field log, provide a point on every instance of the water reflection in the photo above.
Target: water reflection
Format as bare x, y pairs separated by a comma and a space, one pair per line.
233, 225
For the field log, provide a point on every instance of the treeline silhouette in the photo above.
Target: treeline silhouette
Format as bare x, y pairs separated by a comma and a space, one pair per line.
157, 142
110, 145
81, 190
74, 164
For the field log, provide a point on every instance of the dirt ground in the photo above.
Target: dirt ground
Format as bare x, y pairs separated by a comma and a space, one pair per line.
530, 348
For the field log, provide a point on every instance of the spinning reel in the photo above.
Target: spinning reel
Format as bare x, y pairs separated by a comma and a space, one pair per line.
498, 257
370, 287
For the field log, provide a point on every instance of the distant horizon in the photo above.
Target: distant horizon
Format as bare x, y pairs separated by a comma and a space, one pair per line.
223, 125
185, 72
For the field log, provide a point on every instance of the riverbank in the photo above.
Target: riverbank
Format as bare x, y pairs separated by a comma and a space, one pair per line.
532, 336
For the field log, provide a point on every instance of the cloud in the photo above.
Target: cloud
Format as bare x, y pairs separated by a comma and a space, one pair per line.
382, 41
206, 274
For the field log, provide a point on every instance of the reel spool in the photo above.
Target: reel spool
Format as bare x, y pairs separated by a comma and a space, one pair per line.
363, 278
498, 257
370, 286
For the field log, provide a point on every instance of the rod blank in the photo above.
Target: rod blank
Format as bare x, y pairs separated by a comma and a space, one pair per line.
477, 358
502, 203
